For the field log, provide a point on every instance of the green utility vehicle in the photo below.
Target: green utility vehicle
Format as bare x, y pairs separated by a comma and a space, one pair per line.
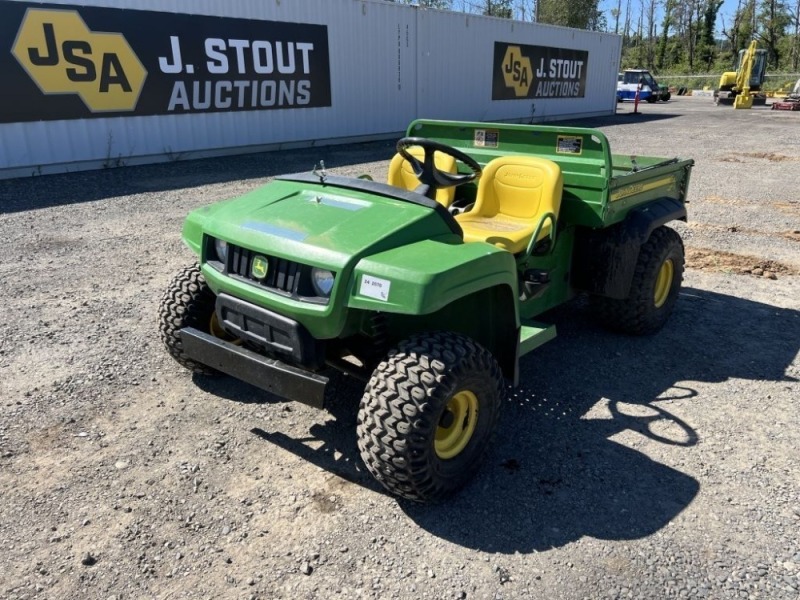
428, 288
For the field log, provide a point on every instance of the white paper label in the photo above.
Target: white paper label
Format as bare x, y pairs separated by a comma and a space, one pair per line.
375, 287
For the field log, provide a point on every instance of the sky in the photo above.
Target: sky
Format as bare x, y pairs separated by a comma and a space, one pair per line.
727, 10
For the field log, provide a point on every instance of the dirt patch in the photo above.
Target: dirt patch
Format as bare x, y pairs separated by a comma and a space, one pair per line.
792, 234
727, 262
787, 207
790, 208
722, 228
737, 157
722, 200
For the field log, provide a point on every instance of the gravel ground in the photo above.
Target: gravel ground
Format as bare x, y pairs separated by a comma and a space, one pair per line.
658, 467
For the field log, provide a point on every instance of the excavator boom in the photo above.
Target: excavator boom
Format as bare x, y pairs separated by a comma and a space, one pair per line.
744, 99
741, 88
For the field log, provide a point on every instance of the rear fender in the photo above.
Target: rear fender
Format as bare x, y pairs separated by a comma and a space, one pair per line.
605, 259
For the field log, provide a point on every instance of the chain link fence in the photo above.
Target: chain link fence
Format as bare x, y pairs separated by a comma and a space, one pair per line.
773, 81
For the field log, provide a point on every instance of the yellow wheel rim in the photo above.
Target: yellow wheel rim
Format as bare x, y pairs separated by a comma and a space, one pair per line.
664, 282
215, 329
456, 425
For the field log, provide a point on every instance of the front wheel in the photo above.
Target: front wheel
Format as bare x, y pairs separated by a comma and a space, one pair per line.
428, 414
654, 289
189, 302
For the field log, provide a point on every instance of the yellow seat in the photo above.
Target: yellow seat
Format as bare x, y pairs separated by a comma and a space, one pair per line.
401, 175
514, 195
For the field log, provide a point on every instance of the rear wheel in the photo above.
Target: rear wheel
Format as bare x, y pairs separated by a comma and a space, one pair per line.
654, 289
428, 414
189, 302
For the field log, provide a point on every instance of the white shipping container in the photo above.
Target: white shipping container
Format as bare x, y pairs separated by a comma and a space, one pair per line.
388, 64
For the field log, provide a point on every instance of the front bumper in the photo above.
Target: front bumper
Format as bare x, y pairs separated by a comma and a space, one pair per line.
272, 375
270, 331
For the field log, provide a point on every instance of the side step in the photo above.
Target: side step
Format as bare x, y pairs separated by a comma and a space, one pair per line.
533, 334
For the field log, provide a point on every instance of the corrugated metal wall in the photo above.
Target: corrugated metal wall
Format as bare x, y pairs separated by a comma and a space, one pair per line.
454, 68
389, 64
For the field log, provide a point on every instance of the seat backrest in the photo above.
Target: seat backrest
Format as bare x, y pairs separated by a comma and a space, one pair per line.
401, 175
521, 187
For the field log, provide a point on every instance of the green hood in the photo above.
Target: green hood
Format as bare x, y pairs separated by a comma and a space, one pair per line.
324, 225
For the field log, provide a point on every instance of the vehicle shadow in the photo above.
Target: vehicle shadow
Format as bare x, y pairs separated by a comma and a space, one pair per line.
561, 477
86, 186
332, 444
553, 475
234, 390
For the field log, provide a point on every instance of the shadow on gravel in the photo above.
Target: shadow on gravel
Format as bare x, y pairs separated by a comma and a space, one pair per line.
86, 186
35, 192
331, 445
625, 116
234, 389
338, 453
553, 475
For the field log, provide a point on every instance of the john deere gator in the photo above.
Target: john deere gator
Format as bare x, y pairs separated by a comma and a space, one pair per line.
430, 287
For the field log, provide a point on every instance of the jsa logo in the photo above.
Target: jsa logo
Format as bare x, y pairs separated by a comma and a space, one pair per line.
517, 71
63, 56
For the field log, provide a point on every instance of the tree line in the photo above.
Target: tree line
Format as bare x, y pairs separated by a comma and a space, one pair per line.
666, 36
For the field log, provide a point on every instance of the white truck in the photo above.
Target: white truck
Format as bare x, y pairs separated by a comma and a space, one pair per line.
641, 79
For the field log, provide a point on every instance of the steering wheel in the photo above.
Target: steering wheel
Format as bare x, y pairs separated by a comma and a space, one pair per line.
426, 171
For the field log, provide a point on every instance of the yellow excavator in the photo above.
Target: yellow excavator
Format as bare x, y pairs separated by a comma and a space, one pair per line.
742, 87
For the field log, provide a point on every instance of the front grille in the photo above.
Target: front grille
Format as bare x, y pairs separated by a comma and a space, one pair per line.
282, 275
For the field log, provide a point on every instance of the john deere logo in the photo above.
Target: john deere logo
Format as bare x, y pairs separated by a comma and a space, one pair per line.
259, 268
517, 71
63, 56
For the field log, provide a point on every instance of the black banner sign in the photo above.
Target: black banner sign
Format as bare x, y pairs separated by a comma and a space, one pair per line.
522, 71
75, 62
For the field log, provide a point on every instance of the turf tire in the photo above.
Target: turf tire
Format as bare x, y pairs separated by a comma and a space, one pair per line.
638, 314
402, 406
188, 302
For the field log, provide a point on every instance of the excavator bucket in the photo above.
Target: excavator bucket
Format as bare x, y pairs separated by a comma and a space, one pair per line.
743, 101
